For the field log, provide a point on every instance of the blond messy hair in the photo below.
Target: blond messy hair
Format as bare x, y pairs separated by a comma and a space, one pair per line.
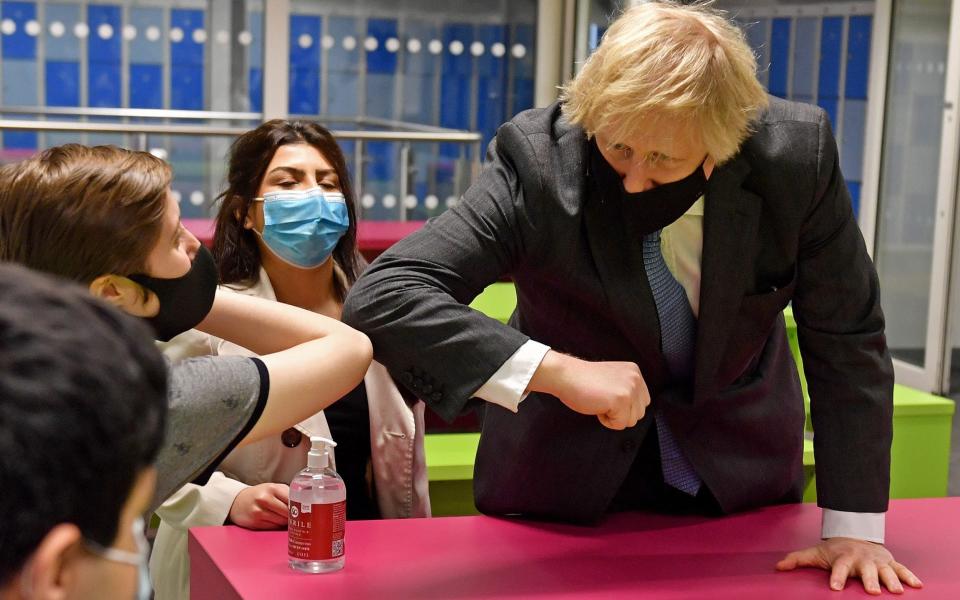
665, 62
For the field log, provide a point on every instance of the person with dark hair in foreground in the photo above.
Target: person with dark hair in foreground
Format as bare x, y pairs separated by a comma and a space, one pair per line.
82, 418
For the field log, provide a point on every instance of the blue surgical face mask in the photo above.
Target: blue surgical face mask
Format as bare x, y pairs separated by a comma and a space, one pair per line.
303, 226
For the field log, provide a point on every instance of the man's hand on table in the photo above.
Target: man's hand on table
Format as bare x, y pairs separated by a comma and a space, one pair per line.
845, 557
613, 391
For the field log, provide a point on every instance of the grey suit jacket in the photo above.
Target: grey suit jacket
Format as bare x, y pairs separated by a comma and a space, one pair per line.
778, 226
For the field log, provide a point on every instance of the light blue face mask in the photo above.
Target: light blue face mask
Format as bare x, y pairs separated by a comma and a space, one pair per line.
303, 226
137, 559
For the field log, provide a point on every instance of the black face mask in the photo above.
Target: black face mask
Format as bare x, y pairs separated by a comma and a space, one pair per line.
184, 301
655, 208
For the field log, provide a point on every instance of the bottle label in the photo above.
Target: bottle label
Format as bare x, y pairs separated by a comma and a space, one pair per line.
315, 531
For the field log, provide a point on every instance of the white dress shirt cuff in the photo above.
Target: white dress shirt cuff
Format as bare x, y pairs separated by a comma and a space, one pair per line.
507, 387
862, 526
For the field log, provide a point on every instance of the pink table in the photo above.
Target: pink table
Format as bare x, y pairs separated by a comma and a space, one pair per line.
630, 555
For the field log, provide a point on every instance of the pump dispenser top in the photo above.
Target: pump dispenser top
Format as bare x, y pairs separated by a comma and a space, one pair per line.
319, 455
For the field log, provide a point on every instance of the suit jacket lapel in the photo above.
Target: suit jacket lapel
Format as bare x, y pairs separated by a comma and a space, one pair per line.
618, 255
731, 217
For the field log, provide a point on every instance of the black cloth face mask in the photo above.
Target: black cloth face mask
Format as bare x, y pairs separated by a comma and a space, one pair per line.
184, 301
653, 209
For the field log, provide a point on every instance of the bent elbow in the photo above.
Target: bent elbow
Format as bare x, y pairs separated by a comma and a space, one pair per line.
364, 349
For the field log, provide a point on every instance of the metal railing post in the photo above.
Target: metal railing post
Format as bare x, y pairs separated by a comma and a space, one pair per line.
404, 179
358, 173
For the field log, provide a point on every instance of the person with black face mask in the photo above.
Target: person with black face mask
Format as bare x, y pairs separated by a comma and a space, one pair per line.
656, 221
105, 217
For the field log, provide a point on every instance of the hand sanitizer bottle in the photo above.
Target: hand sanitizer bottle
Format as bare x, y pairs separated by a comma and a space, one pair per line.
318, 510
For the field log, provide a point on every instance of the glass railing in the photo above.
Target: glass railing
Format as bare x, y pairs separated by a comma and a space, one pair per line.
401, 171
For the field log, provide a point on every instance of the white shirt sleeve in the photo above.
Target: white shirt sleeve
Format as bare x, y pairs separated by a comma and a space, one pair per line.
508, 385
869, 527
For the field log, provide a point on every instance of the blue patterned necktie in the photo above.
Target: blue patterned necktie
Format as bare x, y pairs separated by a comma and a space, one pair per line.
678, 329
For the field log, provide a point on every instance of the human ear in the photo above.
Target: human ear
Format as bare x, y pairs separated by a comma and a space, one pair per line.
125, 294
47, 573
239, 214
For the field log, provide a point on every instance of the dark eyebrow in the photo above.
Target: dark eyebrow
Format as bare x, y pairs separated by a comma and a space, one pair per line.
300, 174
289, 170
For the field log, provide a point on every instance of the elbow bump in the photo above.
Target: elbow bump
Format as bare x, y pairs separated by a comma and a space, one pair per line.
364, 348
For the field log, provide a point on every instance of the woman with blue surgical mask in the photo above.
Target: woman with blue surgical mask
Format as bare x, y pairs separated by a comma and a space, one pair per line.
303, 227
286, 231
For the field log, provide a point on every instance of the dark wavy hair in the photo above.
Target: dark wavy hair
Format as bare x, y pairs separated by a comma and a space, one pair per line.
234, 247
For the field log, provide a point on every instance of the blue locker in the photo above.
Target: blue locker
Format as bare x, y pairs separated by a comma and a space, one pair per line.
779, 57
758, 36
103, 56
67, 46
854, 187
804, 65
858, 56
255, 87
381, 60
492, 82
62, 83
419, 73
19, 45
255, 62
146, 86
146, 58
455, 101
381, 81
855, 105
854, 133
521, 69
305, 42
19, 70
594, 35
828, 83
343, 67
62, 54
455, 98
186, 62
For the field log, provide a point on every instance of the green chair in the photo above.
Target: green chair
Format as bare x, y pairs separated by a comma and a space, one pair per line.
450, 456
497, 301
450, 471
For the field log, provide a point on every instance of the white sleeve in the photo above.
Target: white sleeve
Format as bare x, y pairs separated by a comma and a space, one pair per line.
869, 527
508, 385
189, 344
201, 505
191, 506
